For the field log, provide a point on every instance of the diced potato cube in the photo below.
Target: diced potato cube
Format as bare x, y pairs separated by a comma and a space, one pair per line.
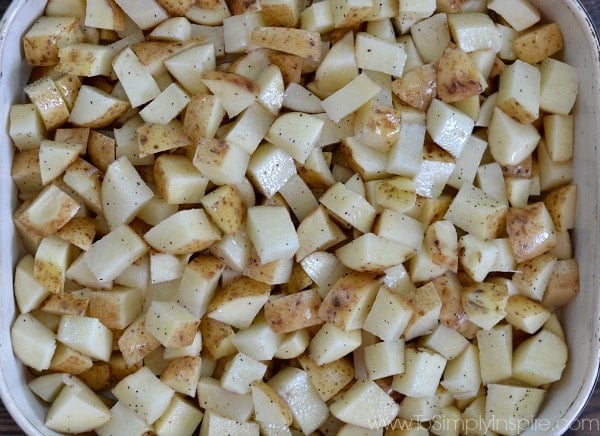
241, 373
114, 253
32, 342
538, 43
370, 252
171, 324
270, 168
350, 97
530, 230
384, 359
532, 276
96, 109
477, 213
389, 315
558, 134
350, 406
138, 83
462, 378
182, 374
214, 398
519, 91
458, 77
50, 265
116, 308
510, 141
47, 35
526, 314
49, 102
448, 127
519, 14
485, 303
238, 302
87, 335
181, 417
75, 395
293, 312
495, 353
293, 385
331, 343
427, 305
431, 36
26, 127
445, 341
188, 65
177, 180
269, 408
563, 284
145, 13
145, 394
221, 162
474, 31
423, 371
272, 233
559, 86
49, 211
330, 378
85, 59
203, 115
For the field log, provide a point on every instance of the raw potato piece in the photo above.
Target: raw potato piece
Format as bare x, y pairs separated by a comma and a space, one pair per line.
309, 412
52, 259
350, 97
269, 408
138, 83
449, 128
519, 92
457, 76
49, 102
43, 40
389, 315
331, 343
186, 231
145, 394
75, 395
511, 409
238, 302
349, 206
272, 233
348, 303
220, 161
298, 42
485, 303
538, 43
423, 370
95, 108
330, 378
236, 92
295, 132
380, 408
171, 324
294, 312
530, 230
32, 342
370, 252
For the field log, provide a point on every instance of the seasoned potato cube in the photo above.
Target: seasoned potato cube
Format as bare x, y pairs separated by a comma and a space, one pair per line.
294, 387
70, 361
349, 206
417, 87
70, 303
116, 308
519, 14
48, 34
258, 340
559, 86
350, 97
214, 398
269, 407
145, 394
49, 102
526, 314
101, 150
176, 7
32, 342
449, 128
154, 138
350, 406
182, 375
477, 213
563, 284
518, 91
431, 36
540, 359
177, 180
136, 341
348, 303
29, 293
530, 230
180, 417
75, 395
220, 161
239, 301
370, 252
52, 259
272, 233
427, 305
294, 312
49, 211
217, 337
95, 108
538, 43
423, 371
203, 116
114, 253
462, 378
145, 14
457, 76
331, 343
485, 303
87, 335
26, 126
495, 353
171, 324
235, 91
184, 232
213, 423
299, 42
510, 141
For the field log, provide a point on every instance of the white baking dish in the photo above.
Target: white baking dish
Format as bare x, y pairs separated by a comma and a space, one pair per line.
581, 319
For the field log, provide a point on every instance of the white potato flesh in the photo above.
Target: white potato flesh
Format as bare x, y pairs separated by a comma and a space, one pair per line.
87, 335
33, 343
423, 370
272, 233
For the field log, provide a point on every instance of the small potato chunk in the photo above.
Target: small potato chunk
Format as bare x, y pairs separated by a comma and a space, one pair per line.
236, 92
226, 207
136, 342
49, 102
561, 205
530, 230
51, 262
203, 116
171, 324
563, 284
182, 374
485, 303
238, 302
269, 408
457, 76
417, 87
511, 409
220, 161
33, 343
299, 42
495, 353
186, 231
145, 394
181, 417
540, 359
272, 233
423, 371
154, 138
95, 108
43, 40
350, 406
75, 395
539, 43
294, 312
177, 180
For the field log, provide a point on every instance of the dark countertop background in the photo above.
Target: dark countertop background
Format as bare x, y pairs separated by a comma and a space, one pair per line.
590, 415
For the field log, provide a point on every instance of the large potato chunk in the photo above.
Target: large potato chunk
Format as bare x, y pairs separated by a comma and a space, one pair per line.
530, 230
294, 312
33, 343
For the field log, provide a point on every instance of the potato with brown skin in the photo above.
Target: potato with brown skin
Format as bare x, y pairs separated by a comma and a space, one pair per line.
294, 312
176, 8
530, 230
48, 100
538, 43
216, 337
563, 285
330, 378
98, 377
67, 304
561, 205
68, 360
226, 207
47, 35
136, 342
418, 87
152, 54
182, 374
203, 116
236, 92
457, 76
101, 150
347, 304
